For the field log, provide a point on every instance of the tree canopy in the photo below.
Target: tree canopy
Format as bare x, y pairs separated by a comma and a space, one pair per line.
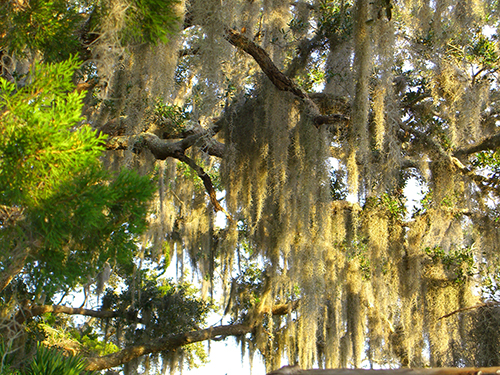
325, 175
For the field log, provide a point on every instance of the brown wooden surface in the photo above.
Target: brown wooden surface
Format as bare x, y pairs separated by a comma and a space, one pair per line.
287, 370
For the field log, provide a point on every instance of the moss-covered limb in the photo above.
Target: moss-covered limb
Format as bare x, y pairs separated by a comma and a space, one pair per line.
281, 81
488, 143
486, 184
163, 149
171, 342
207, 182
29, 312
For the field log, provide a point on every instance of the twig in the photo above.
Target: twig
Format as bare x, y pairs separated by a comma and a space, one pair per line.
479, 305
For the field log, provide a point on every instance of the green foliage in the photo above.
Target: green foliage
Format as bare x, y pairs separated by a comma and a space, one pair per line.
164, 308
213, 172
485, 51
75, 215
40, 25
150, 21
335, 19
175, 117
195, 355
358, 251
489, 160
460, 261
393, 204
37, 144
46, 361
52, 362
7, 355
93, 343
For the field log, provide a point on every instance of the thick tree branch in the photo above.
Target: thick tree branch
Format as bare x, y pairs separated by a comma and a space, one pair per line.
163, 149
166, 343
207, 182
279, 80
29, 312
175, 341
489, 143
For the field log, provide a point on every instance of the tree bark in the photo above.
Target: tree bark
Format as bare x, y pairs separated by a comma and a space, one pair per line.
403, 371
29, 312
18, 260
278, 78
166, 343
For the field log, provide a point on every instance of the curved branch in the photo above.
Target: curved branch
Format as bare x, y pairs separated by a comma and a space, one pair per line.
26, 313
163, 149
479, 305
489, 143
167, 343
175, 341
279, 79
207, 182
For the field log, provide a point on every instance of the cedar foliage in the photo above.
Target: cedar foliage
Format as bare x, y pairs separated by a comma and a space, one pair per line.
416, 85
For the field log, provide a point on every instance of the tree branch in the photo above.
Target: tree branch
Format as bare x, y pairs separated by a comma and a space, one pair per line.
279, 80
489, 143
28, 312
479, 305
18, 258
163, 149
207, 182
167, 343
17, 262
